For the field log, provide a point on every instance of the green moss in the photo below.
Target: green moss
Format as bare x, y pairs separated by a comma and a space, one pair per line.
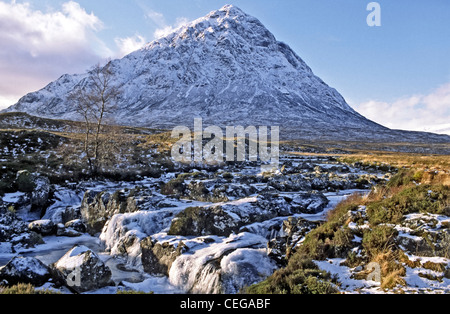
331, 239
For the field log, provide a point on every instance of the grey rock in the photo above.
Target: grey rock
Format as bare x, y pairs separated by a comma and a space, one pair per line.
26, 270
76, 225
447, 273
293, 230
41, 192
43, 227
200, 221
82, 270
157, 258
98, 208
15, 231
63, 231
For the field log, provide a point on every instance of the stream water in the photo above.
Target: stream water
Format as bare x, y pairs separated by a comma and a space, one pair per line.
55, 247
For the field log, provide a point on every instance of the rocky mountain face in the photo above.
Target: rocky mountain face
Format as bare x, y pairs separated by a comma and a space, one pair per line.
228, 69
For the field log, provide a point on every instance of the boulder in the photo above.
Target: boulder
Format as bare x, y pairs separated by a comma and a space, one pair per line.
226, 266
290, 183
199, 191
37, 187
273, 205
242, 268
447, 273
292, 232
63, 231
417, 245
76, 225
93, 210
43, 227
25, 270
15, 232
157, 258
307, 203
202, 221
40, 193
82, 270
62, 214
238, 190
98, 208
24, 181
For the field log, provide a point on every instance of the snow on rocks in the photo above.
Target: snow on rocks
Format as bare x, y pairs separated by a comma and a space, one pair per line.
25, 270
13, 198
98, 208
223, 219
206, 270
82, 270
158, 257
41, 192
16, 234
43, 227
123, 232
65, 207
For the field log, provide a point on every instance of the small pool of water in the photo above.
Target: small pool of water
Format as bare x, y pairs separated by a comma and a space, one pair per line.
56, 247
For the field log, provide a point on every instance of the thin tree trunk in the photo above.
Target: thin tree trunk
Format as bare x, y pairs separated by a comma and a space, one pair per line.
97, 137
86, 144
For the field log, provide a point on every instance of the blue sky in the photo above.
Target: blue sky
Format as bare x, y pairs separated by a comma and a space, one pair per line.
394, 74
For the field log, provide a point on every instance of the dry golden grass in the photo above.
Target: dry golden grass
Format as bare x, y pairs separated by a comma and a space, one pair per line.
398, 160
382, 153
25, 289
391, 270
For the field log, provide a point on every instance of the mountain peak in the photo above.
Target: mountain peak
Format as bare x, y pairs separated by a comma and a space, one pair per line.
228, 24
226, 68
223, 16
232, 10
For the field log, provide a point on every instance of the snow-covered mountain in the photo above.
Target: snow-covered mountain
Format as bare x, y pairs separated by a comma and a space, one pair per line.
226, 68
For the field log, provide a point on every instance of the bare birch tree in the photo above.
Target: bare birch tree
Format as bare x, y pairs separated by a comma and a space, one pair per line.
94, 98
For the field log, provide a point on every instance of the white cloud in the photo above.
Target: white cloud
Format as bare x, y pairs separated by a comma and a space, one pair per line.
8, 100
129, 44
156, 17
430, 112
38, 47
168, 29
163, 27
